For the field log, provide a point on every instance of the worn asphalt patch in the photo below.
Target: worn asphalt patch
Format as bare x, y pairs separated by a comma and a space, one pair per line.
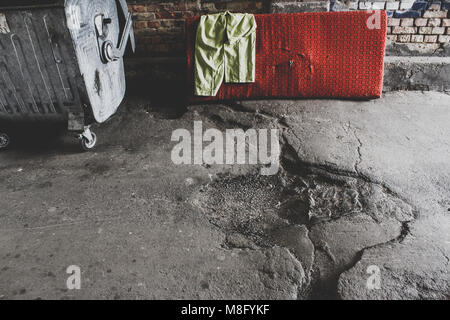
362, 184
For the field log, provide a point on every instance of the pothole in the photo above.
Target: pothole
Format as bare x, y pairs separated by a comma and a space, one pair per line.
249, 206
324, 216
253, 205
305, 213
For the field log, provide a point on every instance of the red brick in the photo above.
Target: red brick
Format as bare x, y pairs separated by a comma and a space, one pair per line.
188, 14
140, 24
154, 24
138, 8
164, 15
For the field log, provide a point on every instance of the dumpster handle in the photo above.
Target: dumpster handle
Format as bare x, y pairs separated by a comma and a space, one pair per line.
109, 51
125, 10
126, 34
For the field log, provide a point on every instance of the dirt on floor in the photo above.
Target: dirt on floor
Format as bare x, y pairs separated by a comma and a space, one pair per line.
361, 192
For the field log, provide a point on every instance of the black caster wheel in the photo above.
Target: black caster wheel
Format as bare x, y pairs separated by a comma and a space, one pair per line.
4, 140
87, 145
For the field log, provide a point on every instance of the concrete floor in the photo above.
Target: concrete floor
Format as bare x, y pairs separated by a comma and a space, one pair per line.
362, 184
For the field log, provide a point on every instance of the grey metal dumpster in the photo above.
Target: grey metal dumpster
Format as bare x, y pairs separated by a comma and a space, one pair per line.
61, 60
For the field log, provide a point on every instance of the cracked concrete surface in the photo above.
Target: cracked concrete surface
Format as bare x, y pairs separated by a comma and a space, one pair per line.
362, 183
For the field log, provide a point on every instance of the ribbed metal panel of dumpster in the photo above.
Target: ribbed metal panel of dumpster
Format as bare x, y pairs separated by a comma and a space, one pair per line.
39, 74
62, 60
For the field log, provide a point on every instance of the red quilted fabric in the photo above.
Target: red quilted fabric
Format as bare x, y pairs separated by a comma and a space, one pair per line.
308, 55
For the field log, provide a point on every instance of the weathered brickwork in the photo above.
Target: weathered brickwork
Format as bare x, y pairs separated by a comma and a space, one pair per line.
418, 24
414, 21
159, 25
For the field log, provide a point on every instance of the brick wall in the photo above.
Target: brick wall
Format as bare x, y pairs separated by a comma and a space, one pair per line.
159, 25
414, 26
422, 26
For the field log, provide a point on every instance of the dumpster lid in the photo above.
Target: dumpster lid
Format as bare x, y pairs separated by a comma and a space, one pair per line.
8, 4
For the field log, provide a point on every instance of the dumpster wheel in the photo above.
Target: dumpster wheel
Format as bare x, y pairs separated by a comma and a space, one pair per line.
88, 140
4, 140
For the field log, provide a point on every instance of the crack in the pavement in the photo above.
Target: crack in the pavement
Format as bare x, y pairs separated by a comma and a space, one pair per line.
248, 206
404, 232
213, 199
291, 154
359, 151
306, 166
445, 256
238, 107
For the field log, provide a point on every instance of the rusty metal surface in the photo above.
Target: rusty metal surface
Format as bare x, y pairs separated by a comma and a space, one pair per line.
50, 63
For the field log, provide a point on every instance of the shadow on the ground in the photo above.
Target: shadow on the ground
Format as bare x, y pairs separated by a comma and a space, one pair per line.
40, 139
166, 98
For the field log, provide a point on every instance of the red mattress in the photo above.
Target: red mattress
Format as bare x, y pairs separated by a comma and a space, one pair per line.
308, 55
